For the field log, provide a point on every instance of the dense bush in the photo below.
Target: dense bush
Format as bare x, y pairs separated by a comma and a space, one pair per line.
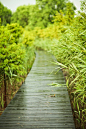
16, 57
5, 14
15, 30
11, 54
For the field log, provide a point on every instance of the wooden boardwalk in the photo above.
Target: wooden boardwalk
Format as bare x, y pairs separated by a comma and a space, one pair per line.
38, 105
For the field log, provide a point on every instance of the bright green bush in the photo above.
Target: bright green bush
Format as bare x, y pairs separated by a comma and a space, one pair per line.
27, 38
11, 54
16, 57
15, 30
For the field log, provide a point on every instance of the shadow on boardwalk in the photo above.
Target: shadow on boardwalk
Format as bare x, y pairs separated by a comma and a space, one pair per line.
38, 105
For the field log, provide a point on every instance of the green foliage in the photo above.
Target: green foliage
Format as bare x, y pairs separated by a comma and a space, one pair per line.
48, 9
11, 54
0, 21
5, 14
36, 17
21, 15
27, 38
15, 31
69, 11
59, 18
39, 15
14, 50
65, 17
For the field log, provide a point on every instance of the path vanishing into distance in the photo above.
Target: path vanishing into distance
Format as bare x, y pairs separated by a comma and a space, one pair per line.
39, 104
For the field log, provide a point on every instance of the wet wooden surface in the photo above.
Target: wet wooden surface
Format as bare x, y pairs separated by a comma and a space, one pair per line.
38, 105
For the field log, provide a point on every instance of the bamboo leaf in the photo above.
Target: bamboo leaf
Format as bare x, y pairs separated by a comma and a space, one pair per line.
75, 79
60, 64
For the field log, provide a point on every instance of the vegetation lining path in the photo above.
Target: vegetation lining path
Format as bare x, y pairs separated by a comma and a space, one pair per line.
37, 104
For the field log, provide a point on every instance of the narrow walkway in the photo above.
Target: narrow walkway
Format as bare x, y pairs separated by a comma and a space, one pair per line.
38, 105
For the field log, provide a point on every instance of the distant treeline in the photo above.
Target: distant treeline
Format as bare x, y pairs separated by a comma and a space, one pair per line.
38, 15
5, 15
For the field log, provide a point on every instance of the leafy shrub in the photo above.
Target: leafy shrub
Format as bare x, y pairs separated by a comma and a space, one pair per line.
27, 38
15, 30
16, 57
11, 54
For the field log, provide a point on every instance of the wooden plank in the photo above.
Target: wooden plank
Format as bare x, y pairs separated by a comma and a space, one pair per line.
38, 105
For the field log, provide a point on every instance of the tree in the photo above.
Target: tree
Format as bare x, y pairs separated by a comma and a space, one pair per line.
21, 15
5, 14
49, 8
36, 17
42, 13
69, 12
66, 16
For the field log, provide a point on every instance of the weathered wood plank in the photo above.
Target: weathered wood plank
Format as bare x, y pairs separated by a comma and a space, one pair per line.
38, 104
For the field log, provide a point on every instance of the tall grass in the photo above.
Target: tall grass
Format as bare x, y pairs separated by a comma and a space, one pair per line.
70, 50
